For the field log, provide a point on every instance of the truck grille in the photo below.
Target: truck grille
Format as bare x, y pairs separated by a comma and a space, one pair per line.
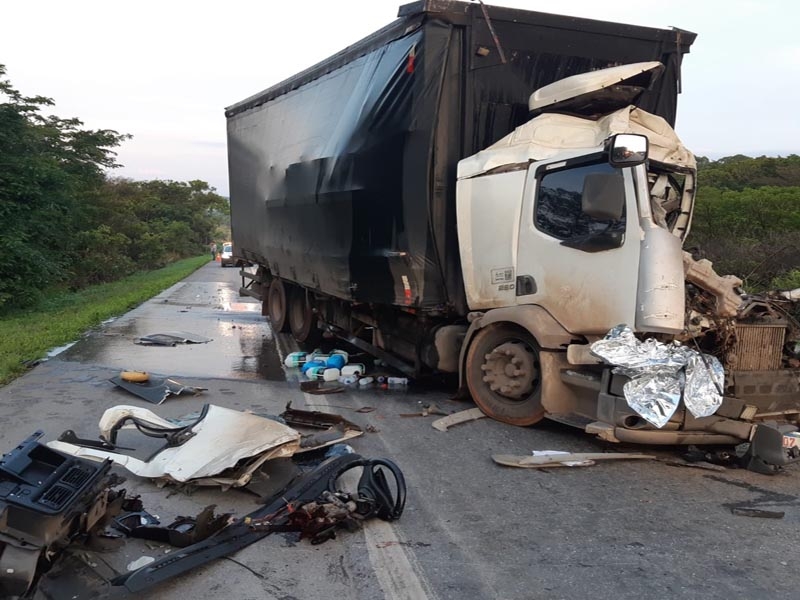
759, 347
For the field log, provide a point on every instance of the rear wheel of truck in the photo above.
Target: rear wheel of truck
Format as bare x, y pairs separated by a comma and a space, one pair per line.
276, 306
302, 320
503, 374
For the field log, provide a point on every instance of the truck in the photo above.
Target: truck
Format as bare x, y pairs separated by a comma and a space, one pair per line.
488, 192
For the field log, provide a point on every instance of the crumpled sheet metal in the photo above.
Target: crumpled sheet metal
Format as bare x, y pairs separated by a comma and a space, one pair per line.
661, 374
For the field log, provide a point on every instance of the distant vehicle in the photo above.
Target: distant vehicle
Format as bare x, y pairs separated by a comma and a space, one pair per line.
226, 258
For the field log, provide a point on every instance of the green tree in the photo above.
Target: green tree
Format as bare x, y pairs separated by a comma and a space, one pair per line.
50, 172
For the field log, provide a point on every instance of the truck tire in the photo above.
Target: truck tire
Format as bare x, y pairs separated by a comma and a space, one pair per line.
503, 376
276, 306
301, 317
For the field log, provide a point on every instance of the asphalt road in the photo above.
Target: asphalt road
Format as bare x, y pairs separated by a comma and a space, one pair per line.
471, 529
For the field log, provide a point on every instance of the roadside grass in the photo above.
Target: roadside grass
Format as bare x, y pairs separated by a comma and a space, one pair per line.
28, 334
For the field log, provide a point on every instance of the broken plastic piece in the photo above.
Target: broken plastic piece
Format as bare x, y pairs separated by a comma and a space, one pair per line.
223, 447
464, 416
155, 389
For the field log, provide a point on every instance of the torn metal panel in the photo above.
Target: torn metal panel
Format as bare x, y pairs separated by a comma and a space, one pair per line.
336, 428
224, 447
701, 273
156, 389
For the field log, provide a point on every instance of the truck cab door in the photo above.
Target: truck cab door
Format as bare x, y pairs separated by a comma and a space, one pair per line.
579, 243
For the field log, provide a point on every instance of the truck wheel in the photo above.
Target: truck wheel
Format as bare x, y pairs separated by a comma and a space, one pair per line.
503, 375
302, 320
276, 306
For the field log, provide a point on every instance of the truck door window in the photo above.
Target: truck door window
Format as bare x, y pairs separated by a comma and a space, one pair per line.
559, 199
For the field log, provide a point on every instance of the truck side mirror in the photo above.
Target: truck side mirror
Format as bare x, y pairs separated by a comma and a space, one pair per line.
603, 196
627, 150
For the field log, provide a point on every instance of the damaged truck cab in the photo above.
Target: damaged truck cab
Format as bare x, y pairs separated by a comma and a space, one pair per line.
595, 210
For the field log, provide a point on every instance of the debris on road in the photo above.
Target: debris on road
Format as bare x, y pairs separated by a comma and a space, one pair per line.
336, 429
183, 531
221, 447
758, 513
48, 500
153, 389
552, 458
171, 338
464, 416
381, 493
218, 446
427, 410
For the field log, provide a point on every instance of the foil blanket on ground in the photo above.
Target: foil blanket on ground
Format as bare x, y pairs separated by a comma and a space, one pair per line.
660, 374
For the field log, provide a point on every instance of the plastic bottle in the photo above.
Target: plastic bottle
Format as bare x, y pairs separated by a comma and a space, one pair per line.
356, 369
336, 361
397, 381
364, 381
348, 379
311, 364
331, 374
316, 372
342, 353
295, 359
318, 355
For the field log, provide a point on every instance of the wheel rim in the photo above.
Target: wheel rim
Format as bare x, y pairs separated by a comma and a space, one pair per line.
510, 371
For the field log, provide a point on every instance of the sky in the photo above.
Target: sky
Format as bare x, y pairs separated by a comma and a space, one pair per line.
163, 71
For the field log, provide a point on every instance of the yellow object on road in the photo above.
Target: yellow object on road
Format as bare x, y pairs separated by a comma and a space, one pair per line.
134, 376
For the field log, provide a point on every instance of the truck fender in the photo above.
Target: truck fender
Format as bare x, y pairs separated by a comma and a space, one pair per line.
548, 332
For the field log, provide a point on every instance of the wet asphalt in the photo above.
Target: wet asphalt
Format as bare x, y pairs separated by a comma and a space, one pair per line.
471, 529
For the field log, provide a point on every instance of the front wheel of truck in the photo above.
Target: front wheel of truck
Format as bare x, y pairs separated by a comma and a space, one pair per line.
503, 374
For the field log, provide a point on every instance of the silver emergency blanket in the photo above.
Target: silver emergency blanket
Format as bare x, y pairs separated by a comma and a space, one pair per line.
660, 374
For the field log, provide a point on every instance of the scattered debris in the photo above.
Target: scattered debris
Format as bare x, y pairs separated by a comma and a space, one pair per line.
552, 459
336, 429
464, 416
381, 493
154, 389
221, 447
47, 501
758, 512
427, 409
183, 531
217, 446
171, 338
365, 409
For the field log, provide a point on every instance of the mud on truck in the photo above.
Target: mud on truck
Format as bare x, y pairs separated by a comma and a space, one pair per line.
500, 194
